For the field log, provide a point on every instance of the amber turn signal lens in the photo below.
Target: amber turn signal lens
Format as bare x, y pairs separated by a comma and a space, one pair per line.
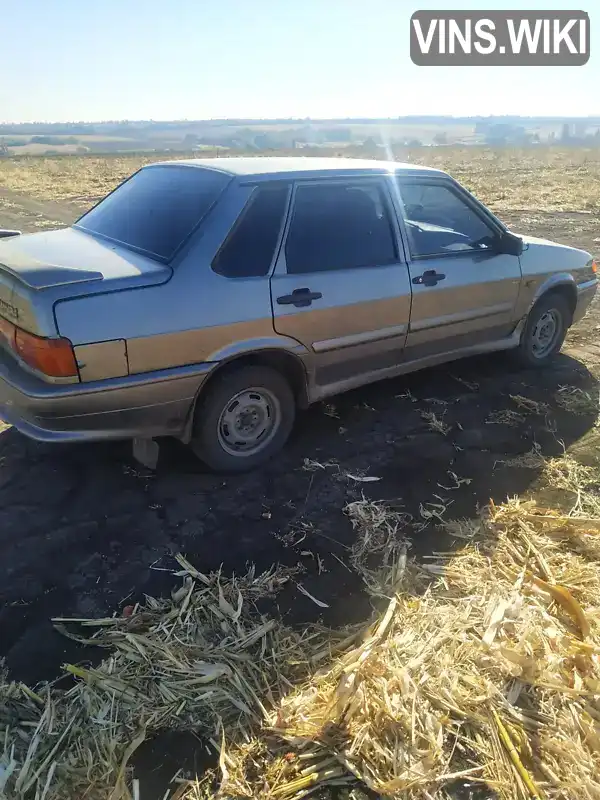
594, 267
53, 357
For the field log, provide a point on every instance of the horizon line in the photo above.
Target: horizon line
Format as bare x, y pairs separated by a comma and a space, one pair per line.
249, 120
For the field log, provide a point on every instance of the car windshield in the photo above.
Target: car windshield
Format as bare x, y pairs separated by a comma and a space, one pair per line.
157, 208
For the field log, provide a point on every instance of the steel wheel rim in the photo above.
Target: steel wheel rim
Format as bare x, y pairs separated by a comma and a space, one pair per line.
248, 422
545, 333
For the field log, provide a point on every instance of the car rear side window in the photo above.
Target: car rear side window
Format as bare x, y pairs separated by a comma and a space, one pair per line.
157, 208
339, 225
248, 250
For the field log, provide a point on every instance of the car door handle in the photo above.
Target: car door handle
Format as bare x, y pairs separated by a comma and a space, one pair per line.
299, 298
429, 278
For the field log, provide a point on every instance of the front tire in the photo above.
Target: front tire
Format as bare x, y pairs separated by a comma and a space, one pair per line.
245, 418
545, 330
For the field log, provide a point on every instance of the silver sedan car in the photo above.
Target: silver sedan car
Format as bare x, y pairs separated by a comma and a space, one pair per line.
209, 299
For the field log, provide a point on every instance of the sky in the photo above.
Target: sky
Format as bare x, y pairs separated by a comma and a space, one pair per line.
205, 59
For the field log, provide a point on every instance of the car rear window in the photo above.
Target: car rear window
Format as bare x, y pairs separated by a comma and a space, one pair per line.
157, 208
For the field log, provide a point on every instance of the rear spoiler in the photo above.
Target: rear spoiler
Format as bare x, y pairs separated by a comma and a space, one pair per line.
5, 233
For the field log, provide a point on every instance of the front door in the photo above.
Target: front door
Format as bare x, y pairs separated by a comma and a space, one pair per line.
341, 286
464, 290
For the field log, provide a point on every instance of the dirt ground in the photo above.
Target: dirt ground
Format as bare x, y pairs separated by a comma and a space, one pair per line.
84, 531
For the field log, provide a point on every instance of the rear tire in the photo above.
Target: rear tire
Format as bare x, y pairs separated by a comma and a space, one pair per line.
545, 330
244, 419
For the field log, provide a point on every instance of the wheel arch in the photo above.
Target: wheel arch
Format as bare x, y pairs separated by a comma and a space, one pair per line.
563, 285
289, 365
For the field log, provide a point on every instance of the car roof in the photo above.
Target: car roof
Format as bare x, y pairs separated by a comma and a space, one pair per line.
262, 167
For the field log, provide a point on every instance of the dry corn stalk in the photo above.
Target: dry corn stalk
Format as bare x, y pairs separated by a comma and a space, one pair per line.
484, 667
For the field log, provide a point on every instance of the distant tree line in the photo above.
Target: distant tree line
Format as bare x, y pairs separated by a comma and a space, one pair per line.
507, 133
370, 136
140, 128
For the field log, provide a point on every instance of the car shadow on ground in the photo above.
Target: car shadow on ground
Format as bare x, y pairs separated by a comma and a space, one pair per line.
84, 529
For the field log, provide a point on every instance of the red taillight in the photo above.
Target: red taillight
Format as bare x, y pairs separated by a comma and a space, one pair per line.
52, 357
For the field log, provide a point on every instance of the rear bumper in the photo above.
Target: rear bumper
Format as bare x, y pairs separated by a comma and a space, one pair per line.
152, 404
585, 294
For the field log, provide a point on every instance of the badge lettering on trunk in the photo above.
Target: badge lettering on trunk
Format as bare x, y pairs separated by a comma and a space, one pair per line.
8, 310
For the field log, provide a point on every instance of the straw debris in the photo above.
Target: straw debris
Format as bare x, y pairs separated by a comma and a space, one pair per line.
530, 460
529, 405
435, 423
482, 666
491, 673
576, 401
505, 416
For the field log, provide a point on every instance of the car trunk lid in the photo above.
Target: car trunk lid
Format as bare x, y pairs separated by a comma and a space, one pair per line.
66, 262
56, 258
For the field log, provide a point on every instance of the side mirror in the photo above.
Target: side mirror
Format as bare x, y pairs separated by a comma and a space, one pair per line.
510, 244
4, 233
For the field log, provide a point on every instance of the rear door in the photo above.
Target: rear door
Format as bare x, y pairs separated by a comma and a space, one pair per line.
464, 290
341, 285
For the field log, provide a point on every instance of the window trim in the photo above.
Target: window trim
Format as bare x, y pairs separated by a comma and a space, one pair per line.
381, 183
256, 188
472, 202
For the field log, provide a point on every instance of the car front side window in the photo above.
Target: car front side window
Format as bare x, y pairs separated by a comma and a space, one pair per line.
339, 225
440, 222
